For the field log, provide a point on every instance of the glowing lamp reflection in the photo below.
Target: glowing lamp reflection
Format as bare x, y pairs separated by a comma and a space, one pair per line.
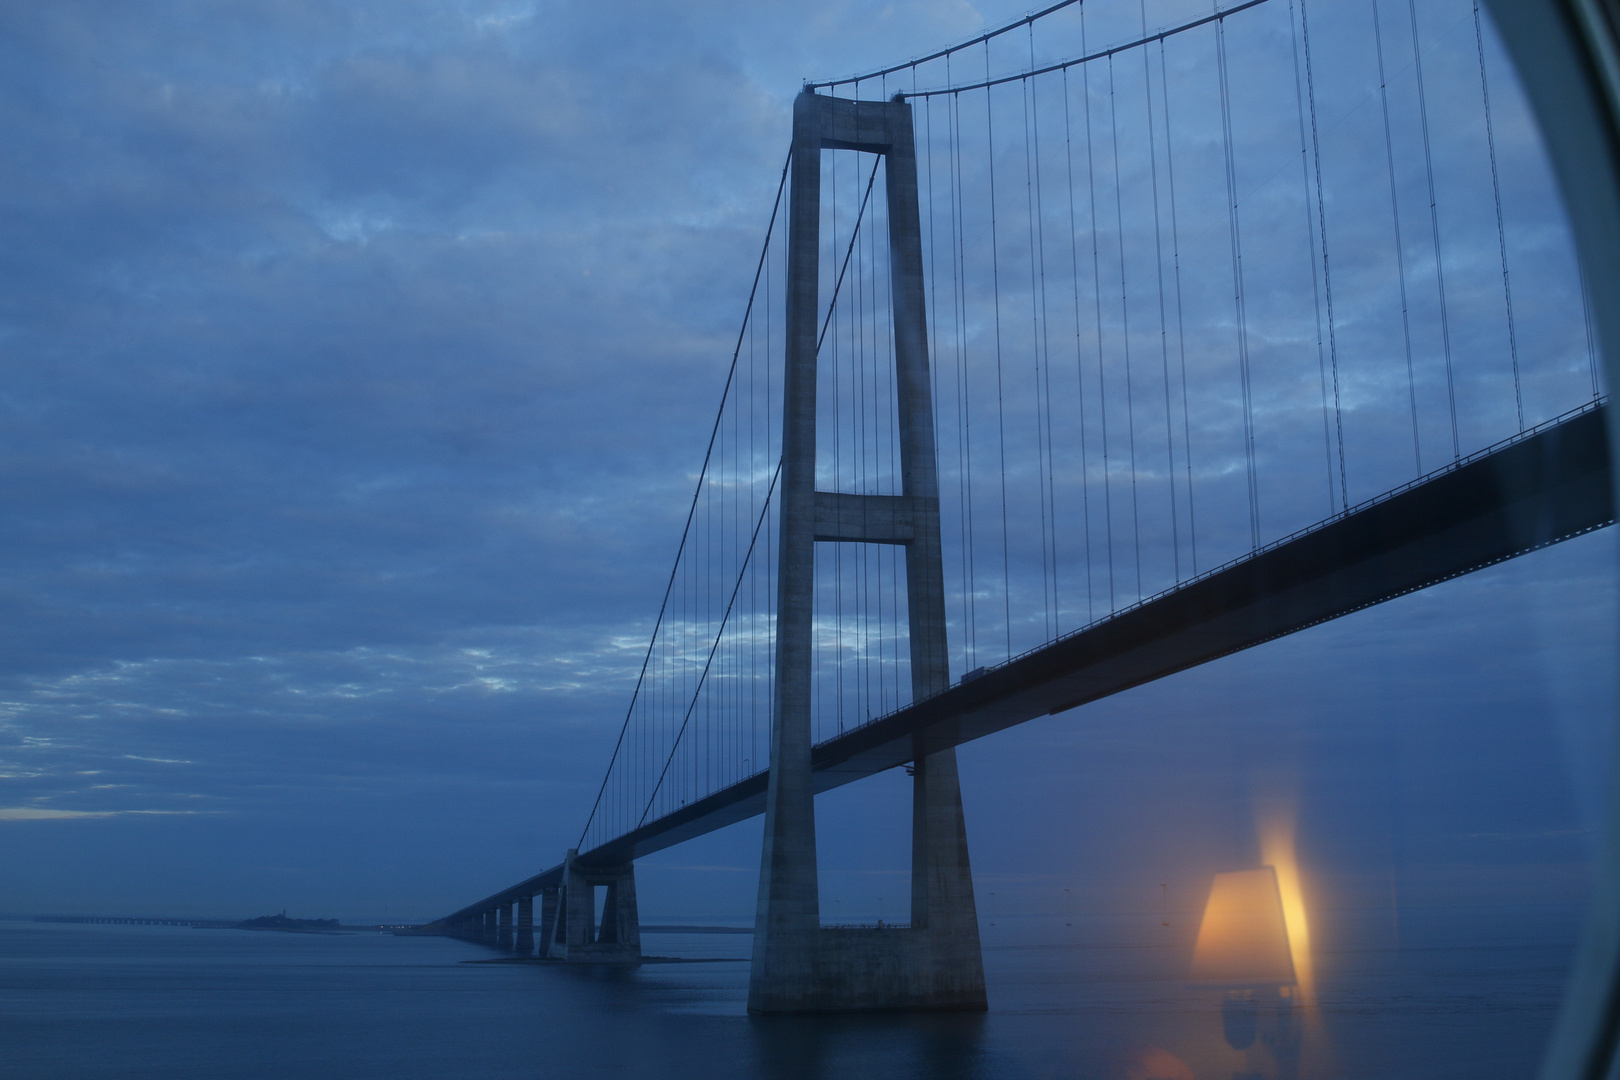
1277, 848
1243, 939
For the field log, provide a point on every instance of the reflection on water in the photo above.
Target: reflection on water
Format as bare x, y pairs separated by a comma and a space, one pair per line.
1253, 953
1278, 851
1242, 953
1470, 994
1242, 939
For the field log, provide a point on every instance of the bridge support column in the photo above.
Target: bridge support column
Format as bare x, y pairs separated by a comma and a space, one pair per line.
935, 963
579, 937
503, 929
548, 923
525, 926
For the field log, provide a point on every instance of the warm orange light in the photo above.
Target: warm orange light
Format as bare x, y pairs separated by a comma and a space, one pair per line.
1156, 1064
1277, 849
1243, 938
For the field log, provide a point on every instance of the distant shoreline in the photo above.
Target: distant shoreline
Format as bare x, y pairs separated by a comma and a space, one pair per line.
310, 926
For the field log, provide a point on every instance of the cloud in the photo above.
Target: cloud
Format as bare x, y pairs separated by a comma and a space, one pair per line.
333, 477
40, 813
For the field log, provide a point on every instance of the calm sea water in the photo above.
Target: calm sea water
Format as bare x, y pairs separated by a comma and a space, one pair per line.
1466, 995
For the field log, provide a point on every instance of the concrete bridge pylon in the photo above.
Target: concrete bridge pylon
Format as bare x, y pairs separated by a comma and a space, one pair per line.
798, 965
571, 930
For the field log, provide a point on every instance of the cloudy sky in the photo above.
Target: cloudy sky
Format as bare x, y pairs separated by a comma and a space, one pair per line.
355, 364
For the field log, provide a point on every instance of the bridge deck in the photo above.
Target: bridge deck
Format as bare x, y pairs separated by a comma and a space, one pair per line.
1547, 485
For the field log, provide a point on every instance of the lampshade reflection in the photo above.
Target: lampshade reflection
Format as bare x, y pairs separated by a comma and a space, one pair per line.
1243, 939
1277, 850
1244, 948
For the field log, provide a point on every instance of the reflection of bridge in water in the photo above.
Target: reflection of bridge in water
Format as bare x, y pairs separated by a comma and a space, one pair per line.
1092, 373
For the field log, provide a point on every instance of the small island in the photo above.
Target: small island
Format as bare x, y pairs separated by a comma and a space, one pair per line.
296, 926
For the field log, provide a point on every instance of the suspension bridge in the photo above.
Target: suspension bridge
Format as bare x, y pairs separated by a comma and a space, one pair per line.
1170, 330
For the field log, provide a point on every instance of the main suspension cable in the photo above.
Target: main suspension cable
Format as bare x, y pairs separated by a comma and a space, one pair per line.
698, 688
691, 512
730, 604
943, 53
1085, 58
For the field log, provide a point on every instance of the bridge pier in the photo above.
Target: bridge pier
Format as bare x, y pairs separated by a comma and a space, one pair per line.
503, 930
798, 966
525, 926
579, 936
548, 923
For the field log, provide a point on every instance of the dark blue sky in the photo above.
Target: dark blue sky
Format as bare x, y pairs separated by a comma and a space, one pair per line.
355, 363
